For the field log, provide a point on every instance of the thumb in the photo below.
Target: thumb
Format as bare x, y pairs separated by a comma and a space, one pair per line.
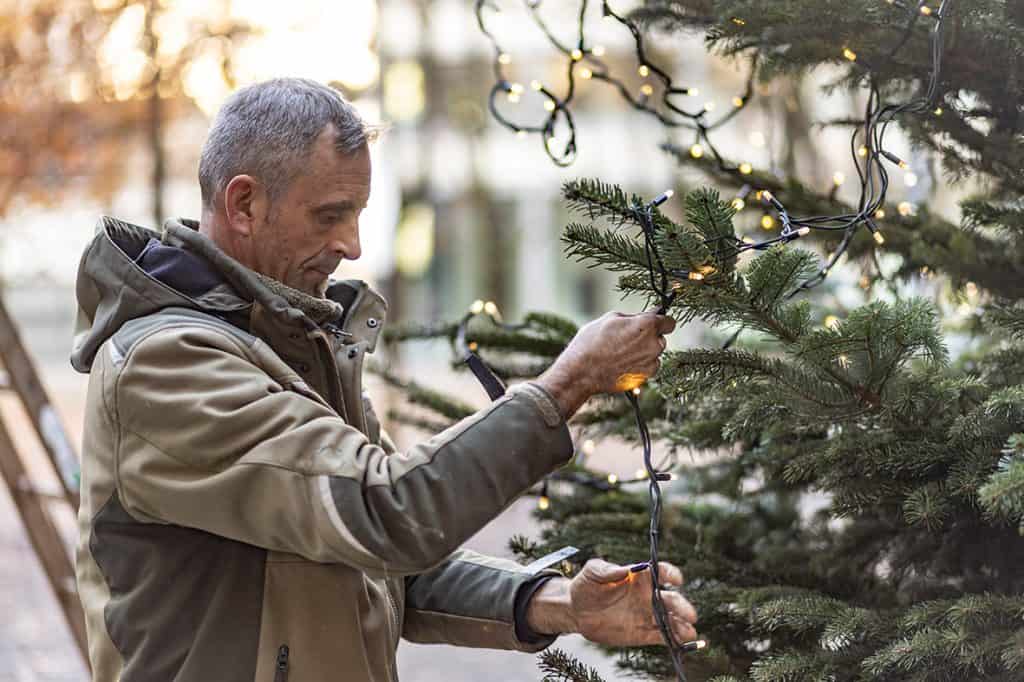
601, 571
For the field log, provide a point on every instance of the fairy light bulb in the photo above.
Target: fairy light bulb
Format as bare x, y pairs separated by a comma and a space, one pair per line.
640, 473
588, 447
849, 54
803, 231
504, 58
938, 111
738, 102
514, 97
838, 178
477, 307
906, 208
517, 88
549, 105
647, 89
748, 240
746, 168
696, 151
880, 213
879, 239
491, 308
738, 204
767, 222
644, 71
831, 322
473, 345
636, 391
926, 10
863, 151
695, 276
586, 73
520, 134
692, 92
910, 179
576, 54
598, 50
612, 478
709, 106
536, 85
543, 503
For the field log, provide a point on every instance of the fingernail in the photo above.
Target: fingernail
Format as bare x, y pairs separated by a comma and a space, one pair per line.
636, 568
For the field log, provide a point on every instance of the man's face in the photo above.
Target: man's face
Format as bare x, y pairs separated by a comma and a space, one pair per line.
314, 224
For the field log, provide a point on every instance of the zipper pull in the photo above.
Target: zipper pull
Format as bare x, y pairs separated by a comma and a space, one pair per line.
335, 330
282, 664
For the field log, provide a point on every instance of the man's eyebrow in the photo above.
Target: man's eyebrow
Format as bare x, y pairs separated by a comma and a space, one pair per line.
343, 205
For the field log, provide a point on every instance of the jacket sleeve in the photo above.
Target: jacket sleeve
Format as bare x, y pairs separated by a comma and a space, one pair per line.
210, 440
471, 600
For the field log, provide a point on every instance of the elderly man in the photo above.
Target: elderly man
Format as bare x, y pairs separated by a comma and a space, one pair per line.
243, 515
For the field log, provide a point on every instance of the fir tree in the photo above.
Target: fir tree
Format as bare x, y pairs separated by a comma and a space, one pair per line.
912, 569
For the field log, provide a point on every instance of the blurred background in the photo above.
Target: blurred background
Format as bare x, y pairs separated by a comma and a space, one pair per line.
104, 106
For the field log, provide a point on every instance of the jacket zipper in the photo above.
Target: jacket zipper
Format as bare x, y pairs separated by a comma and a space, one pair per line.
281, 669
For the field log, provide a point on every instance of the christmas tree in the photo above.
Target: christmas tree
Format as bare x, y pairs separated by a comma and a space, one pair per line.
909, 568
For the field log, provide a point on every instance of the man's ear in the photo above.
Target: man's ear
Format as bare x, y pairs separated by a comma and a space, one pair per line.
244, 204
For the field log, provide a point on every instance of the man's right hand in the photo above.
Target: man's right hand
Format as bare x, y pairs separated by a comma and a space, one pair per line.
613, 353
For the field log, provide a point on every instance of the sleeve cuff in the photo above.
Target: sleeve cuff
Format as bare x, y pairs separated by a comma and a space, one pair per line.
524, 633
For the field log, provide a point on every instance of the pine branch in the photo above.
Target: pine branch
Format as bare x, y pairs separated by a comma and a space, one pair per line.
558, 666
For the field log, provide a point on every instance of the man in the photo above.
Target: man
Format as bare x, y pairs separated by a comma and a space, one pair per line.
243, 515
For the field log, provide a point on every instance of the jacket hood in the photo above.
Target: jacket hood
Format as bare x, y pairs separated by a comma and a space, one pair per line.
128, 271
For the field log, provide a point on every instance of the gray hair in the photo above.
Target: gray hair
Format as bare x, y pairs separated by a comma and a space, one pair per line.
268, 129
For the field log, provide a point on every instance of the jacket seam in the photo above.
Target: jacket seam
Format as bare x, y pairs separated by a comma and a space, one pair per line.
442, 614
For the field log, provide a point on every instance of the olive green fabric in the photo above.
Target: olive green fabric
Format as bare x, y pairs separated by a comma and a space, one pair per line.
239, 499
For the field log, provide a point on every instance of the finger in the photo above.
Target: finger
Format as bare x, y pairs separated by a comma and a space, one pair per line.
683, 631
669, 574
666, 325
663, 342
601, 571
677, 605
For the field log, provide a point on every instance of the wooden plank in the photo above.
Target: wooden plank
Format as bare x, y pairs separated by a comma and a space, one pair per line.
45, 540
24, 379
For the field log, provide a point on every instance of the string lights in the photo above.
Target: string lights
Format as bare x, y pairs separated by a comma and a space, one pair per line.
585, 61
868, 157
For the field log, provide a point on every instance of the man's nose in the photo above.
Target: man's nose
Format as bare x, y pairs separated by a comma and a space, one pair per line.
348, 245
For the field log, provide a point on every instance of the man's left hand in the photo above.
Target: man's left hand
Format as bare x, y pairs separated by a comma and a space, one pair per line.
611, 605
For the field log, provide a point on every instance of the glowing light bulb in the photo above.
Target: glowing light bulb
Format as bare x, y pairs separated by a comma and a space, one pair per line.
767, 222
520, 134
849, 54
738, 101
516, 88
831, 322
844, 361
880, 213
576, 54
598, 50
513, 97
491, 308
738, 21
738, 204
838, 178
640, 473
803, 231
613, 479
692, 92
938, 111
586, 73
644, 71
910, 179
709, 106
543, 503
504, 58
549, 105
477, 307
696, 151
748, 240
647, 89
926, 10
588, 447
473, 346
863, 151
636, 391
746, 168
695, 276
879, 239
906, 208
536, 85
